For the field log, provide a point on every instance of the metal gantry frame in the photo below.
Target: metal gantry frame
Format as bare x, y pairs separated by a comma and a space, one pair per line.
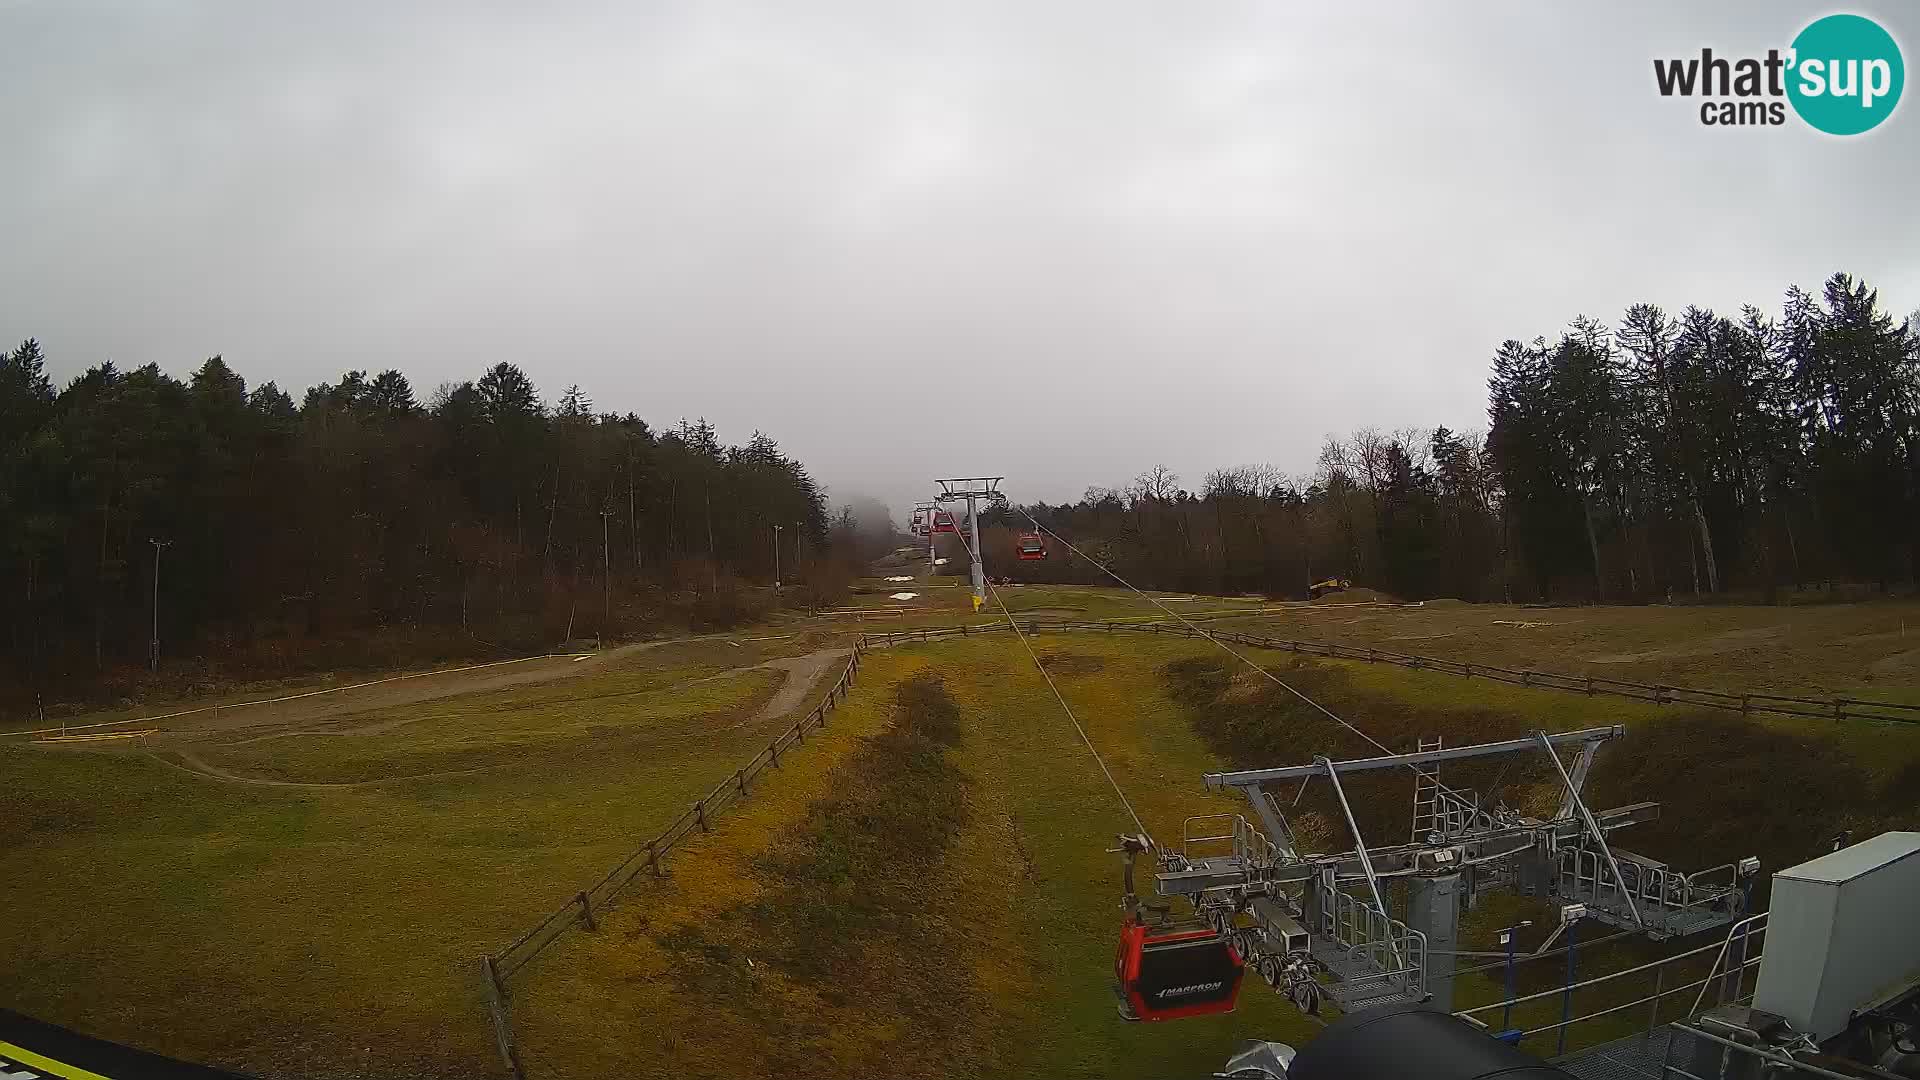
972, 489
1264, 892
926, 509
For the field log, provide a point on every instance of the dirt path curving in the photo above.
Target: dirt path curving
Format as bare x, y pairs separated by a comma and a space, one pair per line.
802, 672
294, 710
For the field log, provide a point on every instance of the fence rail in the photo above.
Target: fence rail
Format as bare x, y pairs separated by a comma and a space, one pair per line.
497, 968
1746, 703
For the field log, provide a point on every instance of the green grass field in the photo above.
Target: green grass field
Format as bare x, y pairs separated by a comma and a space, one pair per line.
1031, 879
959, 924
336, 932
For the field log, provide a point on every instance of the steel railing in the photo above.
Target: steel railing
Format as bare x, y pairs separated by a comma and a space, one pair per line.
1733, 956
1390, 947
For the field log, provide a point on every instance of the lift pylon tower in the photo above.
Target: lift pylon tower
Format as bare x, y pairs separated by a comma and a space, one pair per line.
923, 523
1320, 924
972, 489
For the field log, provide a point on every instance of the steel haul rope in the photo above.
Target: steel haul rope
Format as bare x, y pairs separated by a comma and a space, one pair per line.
1057, 695
1235, 653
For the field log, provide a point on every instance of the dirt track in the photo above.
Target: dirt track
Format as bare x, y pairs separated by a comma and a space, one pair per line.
399, 690
800, 674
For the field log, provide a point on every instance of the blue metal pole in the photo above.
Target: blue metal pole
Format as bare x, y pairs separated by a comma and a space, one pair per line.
1506, 1016
1566, 998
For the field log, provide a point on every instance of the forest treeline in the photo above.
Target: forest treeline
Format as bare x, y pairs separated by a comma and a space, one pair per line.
1684, 455
257, 528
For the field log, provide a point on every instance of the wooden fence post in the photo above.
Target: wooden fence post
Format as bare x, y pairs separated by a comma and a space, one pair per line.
700, 814
586, 911
653, 857
773, 752
740, 777
497, 1014
492, 972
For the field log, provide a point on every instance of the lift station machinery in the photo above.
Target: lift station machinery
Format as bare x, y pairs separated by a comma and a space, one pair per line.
1314, 925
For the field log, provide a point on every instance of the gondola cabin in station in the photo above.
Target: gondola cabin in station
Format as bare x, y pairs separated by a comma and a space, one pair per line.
918, 526
1173, 973
943, 522
1030, 547
1171, 970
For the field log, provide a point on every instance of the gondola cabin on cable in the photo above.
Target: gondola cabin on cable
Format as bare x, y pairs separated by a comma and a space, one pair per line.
918, 526
1171, 971
943, 522
1030, 547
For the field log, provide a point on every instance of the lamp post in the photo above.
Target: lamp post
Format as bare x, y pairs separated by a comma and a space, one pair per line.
1570, 916
776, 558
153, 644
606, 576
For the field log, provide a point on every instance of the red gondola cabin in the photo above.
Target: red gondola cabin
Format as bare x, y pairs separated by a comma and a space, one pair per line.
1030, 547
943, 522
1170, 974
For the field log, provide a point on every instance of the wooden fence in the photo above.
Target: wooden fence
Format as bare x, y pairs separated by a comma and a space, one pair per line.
1829, 708
499, 967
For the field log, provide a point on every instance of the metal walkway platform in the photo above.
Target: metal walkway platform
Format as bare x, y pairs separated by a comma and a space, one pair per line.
1356, 983
1662, 923
1636, 1057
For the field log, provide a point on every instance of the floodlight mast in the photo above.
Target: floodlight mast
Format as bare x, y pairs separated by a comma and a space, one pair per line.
972, 489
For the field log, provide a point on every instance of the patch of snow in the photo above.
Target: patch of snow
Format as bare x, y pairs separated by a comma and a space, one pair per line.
902, 577
939, 562
905, 595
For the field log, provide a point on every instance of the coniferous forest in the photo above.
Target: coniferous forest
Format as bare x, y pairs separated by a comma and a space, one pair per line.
362, 525
1688, 455
1667, 456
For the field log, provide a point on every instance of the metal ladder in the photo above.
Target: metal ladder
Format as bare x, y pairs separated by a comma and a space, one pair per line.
1426, 794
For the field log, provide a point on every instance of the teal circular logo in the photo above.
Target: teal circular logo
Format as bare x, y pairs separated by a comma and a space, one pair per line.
1846, 75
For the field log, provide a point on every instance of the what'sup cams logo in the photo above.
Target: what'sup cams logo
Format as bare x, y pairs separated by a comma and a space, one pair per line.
1842, 75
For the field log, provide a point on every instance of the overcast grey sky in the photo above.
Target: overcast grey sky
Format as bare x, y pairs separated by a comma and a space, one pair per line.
1059, 241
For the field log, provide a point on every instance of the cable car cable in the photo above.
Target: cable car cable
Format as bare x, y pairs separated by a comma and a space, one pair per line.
1277, 680
1058, 696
